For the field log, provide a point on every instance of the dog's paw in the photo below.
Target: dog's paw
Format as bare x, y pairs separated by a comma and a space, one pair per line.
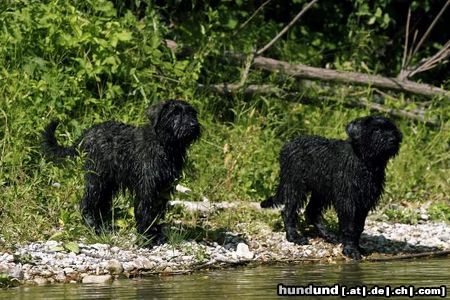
326, 235
352, 252
297, 239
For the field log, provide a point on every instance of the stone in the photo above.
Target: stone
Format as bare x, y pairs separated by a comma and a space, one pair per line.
114, 267
243, 251
40, 280
16, 272
68, 270
98, 279
60, 277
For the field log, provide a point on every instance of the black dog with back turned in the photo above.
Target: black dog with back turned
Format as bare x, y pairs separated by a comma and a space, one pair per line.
145, 160
349, 175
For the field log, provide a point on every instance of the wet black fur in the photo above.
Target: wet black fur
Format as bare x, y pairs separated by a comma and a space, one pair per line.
346, 174
145, 160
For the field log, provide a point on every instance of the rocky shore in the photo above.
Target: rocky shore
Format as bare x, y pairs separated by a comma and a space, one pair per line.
54, 261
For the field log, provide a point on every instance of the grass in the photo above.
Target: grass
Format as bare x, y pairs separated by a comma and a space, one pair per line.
113, 67
236, 159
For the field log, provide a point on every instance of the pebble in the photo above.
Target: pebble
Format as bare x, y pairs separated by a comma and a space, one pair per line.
243, 251
97, 279
97, 263
114, 267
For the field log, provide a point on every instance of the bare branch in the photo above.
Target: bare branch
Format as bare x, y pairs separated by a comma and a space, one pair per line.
433, 61
327, 75
248, 64
267, 89
308, 72
424, 37
286, 28
405, 48
251, 17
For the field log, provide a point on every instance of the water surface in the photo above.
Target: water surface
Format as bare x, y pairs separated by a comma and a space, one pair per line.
252, 283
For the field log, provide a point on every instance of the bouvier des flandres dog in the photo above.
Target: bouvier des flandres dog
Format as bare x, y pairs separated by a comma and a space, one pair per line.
348, 175
145, 160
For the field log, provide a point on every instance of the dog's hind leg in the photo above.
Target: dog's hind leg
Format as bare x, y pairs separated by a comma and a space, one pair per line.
293, 200
313, 215
96, 203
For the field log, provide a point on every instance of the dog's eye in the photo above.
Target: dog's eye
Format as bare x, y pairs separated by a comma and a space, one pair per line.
176, 112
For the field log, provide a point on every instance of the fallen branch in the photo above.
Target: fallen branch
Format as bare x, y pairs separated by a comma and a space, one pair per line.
327, 75
266, 89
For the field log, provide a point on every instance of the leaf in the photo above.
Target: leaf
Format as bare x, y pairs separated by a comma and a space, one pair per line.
72, 246
57, 249
232, 23
121, 223
124, 36
56, 236
378, 12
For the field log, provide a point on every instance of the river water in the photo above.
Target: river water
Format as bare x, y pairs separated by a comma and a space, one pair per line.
262, 282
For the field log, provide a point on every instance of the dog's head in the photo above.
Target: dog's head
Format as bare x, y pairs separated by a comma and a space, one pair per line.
175, 120
374, 137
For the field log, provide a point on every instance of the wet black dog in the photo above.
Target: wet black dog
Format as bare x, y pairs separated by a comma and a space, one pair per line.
349, 175
145, 160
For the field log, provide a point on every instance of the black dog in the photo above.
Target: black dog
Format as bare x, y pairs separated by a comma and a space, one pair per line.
346, 174
145, 160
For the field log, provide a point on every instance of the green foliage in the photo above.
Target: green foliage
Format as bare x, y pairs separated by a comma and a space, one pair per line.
439, 211
88, 61
8, 282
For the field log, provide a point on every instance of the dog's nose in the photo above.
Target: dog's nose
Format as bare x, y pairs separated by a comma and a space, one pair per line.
193, 124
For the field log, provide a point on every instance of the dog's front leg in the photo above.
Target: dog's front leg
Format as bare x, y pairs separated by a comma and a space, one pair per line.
147, 211
350, 236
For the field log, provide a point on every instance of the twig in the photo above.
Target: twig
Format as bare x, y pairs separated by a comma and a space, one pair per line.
409, 256
286, 28
251, 17
248, 64
405, 48
431, 62
424, 37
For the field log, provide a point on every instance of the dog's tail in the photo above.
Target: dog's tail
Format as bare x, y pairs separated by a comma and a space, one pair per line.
270, 202
51, 146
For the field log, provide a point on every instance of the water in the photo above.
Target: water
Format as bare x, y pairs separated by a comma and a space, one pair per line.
252, 282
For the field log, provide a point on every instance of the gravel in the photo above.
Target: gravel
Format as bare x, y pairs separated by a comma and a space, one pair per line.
50, 262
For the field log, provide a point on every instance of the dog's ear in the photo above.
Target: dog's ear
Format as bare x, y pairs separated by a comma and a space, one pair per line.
154, 113
354, 130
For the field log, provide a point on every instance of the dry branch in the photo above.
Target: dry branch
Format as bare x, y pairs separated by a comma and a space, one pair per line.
328, 75
286, 28
425, 64
267, 89
252, 16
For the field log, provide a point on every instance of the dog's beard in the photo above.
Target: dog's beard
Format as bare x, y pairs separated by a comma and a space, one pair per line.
188, 134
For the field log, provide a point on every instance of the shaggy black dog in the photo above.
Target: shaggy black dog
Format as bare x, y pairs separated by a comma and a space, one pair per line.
145, 160
349, 175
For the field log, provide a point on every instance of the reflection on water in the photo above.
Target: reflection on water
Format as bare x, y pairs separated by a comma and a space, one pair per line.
258, 282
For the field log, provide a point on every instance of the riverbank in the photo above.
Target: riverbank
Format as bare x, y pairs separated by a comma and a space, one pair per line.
58, 262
